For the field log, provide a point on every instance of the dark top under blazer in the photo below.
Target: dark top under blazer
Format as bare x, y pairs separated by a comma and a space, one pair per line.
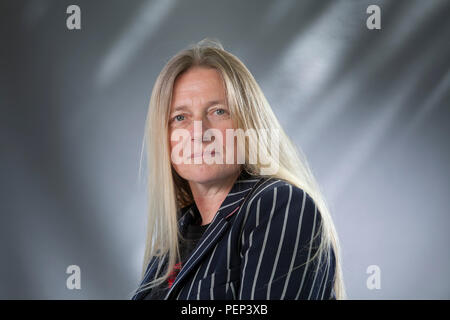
255, 248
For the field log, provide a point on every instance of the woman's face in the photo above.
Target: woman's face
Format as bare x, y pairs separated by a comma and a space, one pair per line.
199, 106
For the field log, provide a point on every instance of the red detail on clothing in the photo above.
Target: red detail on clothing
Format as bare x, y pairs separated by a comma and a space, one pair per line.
174, 273
232, 212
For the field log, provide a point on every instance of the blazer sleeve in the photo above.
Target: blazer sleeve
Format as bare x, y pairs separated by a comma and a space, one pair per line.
281, 234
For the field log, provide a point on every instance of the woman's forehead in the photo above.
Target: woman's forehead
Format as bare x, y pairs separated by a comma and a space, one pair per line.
198, 80
198, 86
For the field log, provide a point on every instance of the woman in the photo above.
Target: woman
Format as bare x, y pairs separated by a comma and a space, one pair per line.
229, 229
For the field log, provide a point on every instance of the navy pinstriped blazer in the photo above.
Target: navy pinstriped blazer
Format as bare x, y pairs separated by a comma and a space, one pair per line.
255, 248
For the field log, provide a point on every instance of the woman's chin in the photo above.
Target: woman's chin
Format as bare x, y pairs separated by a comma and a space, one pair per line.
204, 173
201, 173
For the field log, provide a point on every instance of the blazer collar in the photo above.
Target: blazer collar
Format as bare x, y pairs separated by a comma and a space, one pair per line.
232, 203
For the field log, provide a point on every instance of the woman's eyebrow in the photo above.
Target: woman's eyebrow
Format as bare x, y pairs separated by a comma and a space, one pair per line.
213, 102
180, 108
208, 104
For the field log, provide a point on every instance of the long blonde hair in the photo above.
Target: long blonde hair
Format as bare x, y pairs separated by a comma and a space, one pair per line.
168, 192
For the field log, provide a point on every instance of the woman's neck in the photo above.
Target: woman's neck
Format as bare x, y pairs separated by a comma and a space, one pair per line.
209, 196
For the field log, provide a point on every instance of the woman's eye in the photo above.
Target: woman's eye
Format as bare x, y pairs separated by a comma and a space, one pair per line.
179, 117
219, 111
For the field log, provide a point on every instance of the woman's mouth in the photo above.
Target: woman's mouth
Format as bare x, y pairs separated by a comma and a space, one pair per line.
203, 154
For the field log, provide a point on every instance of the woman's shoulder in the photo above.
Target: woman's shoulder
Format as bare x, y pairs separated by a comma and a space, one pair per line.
280, 206
282, 189
283, 198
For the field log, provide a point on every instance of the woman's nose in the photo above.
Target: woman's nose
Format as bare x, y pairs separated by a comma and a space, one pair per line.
198, 128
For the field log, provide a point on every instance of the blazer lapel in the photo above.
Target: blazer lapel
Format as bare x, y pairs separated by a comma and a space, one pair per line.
217, 227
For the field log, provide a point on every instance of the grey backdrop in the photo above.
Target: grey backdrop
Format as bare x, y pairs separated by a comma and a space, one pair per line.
369, 108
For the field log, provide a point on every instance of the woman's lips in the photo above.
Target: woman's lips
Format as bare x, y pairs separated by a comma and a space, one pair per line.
202, 154
196, 155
